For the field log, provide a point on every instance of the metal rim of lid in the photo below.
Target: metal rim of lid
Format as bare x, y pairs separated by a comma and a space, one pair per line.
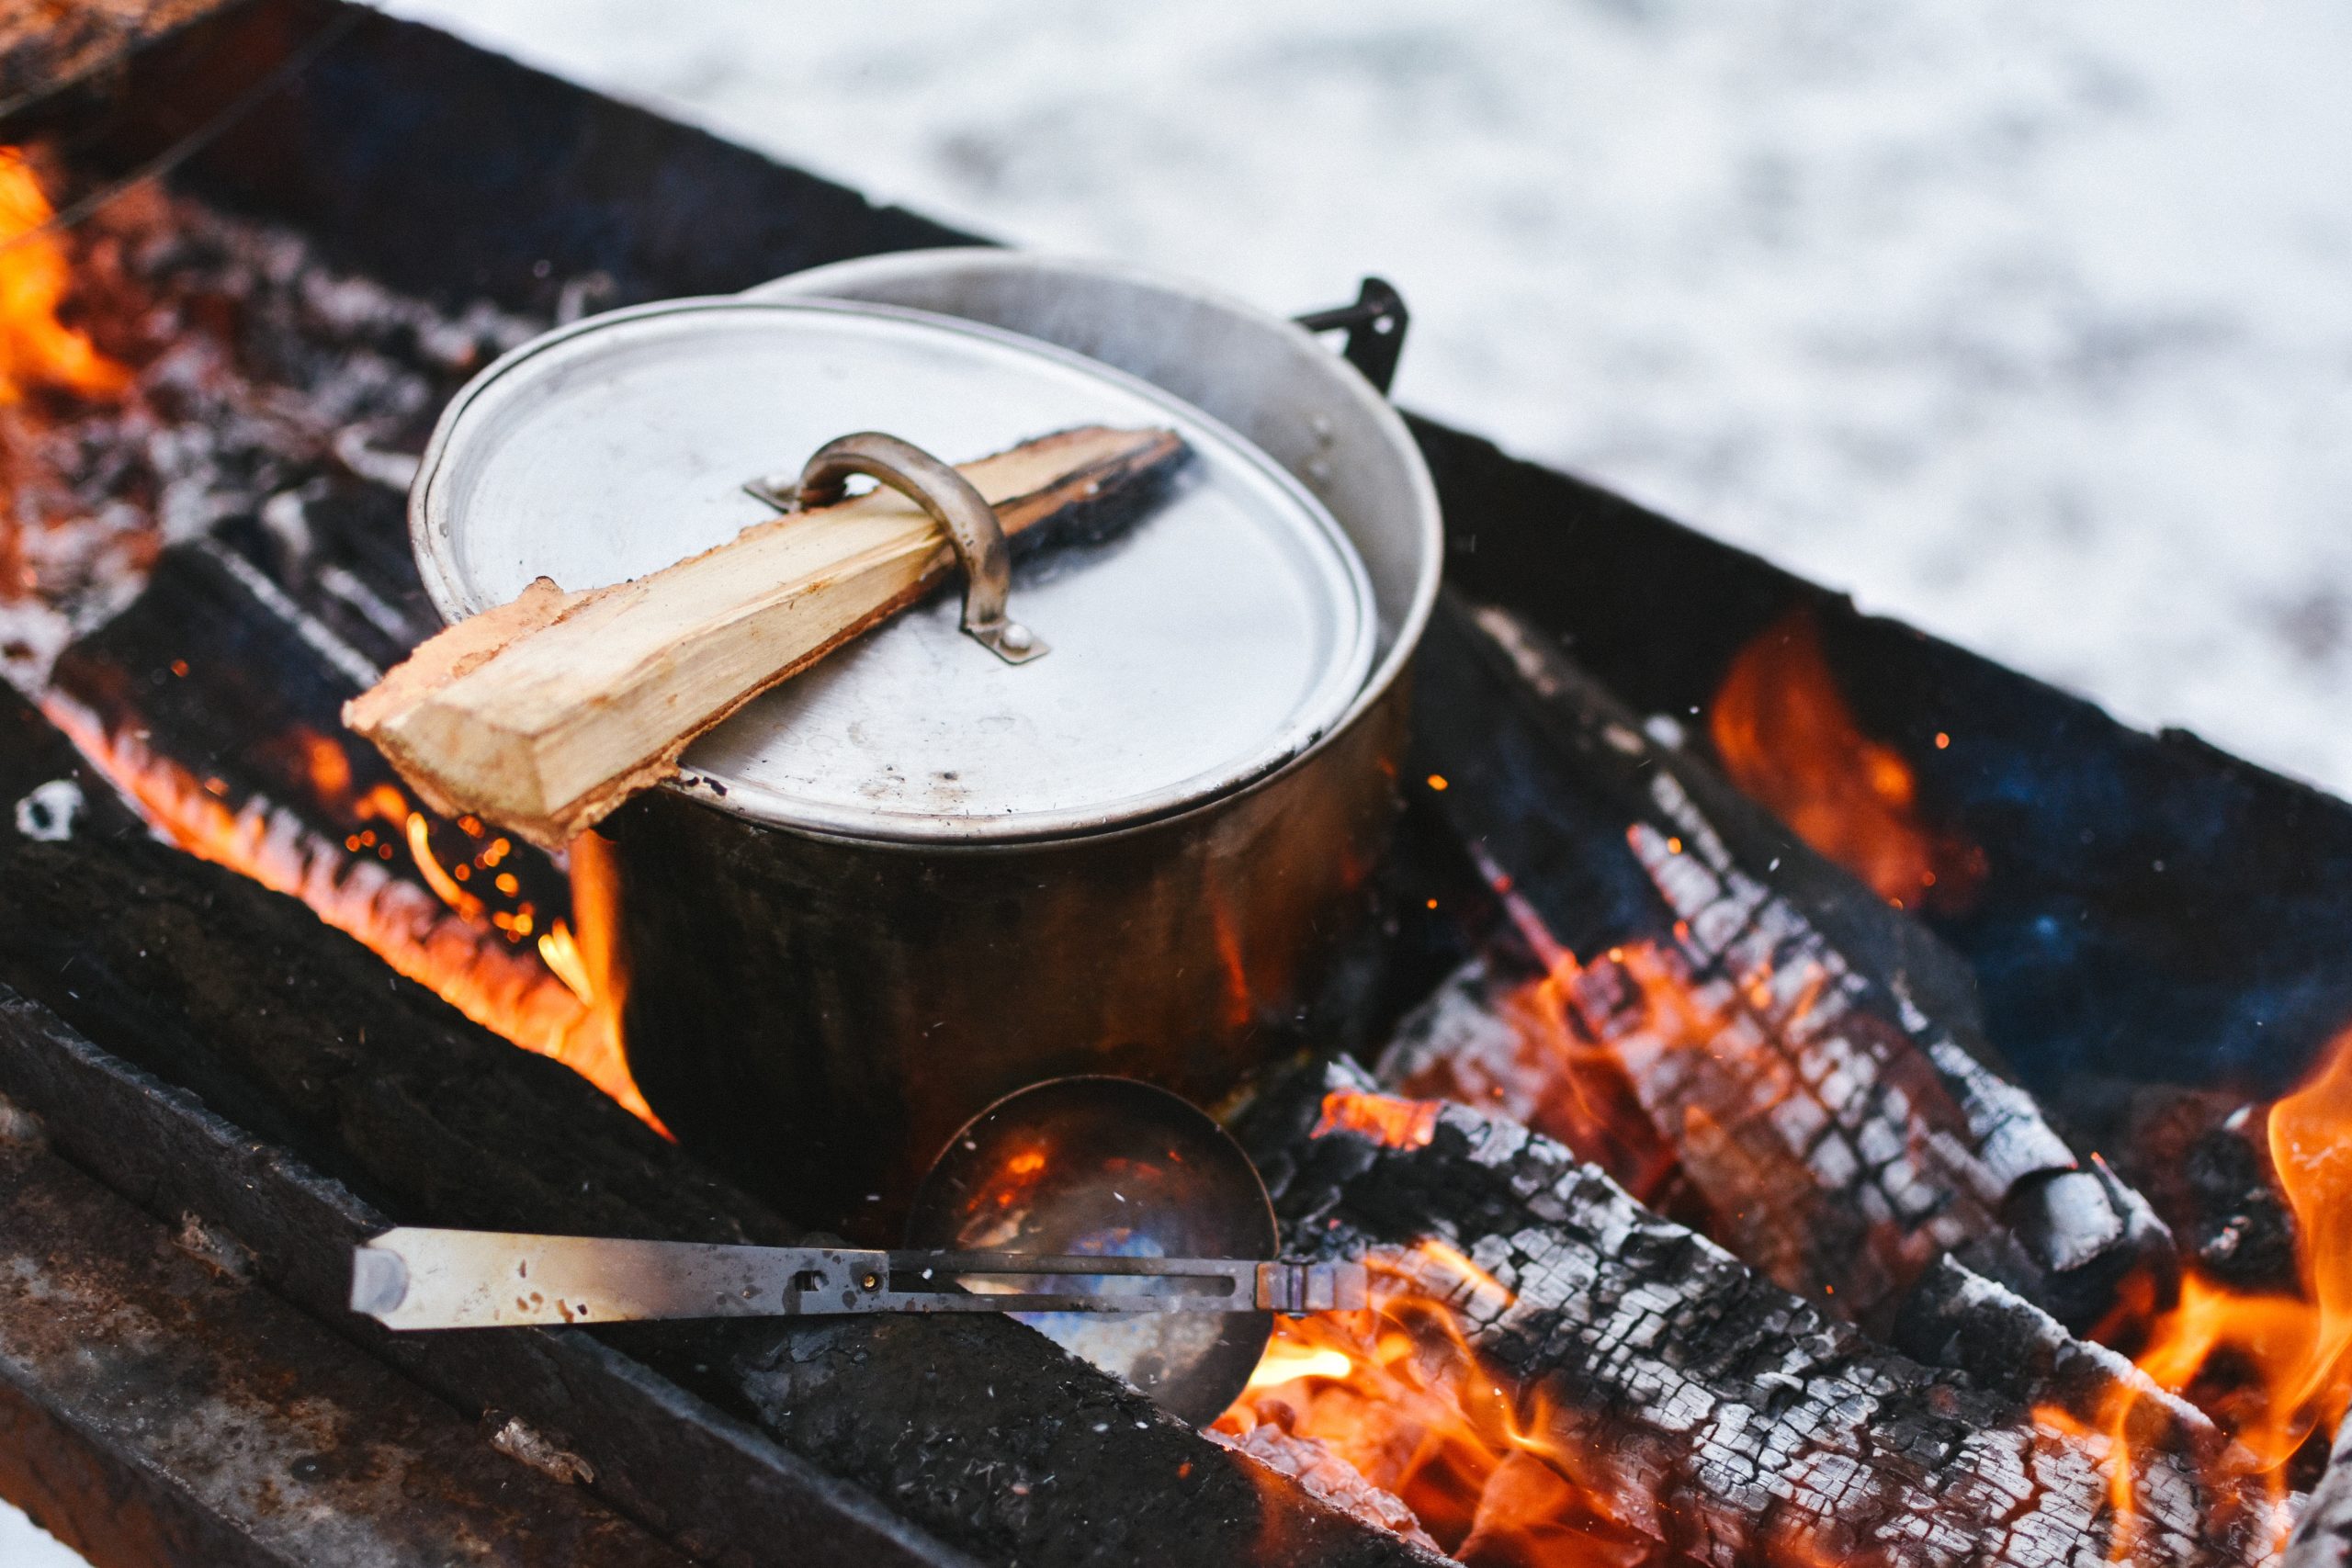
434, 527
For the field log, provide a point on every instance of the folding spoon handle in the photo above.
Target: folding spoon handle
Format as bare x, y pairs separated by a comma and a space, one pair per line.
414, 1278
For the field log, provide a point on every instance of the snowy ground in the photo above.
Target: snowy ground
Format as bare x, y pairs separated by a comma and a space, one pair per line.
2030, 324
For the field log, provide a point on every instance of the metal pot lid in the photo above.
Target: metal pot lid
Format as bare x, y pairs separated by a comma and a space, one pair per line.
1214, 639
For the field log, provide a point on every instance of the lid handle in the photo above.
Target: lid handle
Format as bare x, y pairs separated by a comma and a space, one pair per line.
954, 504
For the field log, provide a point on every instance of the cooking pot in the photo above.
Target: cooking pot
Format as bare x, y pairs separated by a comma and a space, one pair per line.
905, 884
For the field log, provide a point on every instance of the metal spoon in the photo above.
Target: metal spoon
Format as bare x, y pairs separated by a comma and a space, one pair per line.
1114, 1168
1064, 1204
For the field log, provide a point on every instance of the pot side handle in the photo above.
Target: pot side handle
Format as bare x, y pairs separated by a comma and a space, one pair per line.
1375, 327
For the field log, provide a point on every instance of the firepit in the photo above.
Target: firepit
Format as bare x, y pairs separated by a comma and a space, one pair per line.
1805, 1094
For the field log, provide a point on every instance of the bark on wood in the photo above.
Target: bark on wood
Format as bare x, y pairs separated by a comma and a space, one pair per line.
158, 1409
1749, 1424
981, 1433
1809, 1056
544, 713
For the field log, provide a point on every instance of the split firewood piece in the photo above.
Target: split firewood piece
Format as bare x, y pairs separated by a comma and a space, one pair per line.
544, 713
1806, 1056
1727, 1419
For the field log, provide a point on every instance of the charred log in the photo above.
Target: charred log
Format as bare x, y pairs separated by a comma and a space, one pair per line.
157, 1409
2323, 1537
1958, 1319
2203, 1158
210, 697
1808, 1057
980, 1432
219, 666
1758, 1427
44, 49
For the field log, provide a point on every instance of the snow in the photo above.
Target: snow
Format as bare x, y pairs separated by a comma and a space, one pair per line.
2029, 324
24, 1544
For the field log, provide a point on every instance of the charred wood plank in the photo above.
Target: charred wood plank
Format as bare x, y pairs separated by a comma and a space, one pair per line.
226, 665
208, 701
980, 1434
1809, 1056
158, 1410
667, 1459
1750, 1425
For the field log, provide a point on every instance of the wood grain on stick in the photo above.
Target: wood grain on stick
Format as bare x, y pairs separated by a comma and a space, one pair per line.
544, 713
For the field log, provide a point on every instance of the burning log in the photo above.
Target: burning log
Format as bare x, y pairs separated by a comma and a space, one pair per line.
204, 555
1959, 1319
218, 715
1731, 1420
982, 1434
544, 713
1805, 1057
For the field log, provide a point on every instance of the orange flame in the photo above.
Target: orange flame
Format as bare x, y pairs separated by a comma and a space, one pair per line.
1788, 740
562, 1002
531, 1002
590, 967
1398, 1393
2109, 1445
35, 348
1541, 1067
2275, 1368
1383, 1118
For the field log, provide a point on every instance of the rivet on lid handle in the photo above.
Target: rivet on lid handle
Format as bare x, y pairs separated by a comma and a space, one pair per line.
954, 504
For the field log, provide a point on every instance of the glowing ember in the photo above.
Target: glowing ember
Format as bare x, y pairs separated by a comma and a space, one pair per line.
1788, 740
1383, 1118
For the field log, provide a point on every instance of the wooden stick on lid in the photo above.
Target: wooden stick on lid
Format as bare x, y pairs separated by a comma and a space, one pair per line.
544, 713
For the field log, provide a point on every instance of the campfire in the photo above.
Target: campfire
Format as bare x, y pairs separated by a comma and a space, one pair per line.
1707, 1220
192, 382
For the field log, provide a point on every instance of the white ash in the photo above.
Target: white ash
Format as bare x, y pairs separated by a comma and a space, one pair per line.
1737, 1420
1326, 1477
258, 368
